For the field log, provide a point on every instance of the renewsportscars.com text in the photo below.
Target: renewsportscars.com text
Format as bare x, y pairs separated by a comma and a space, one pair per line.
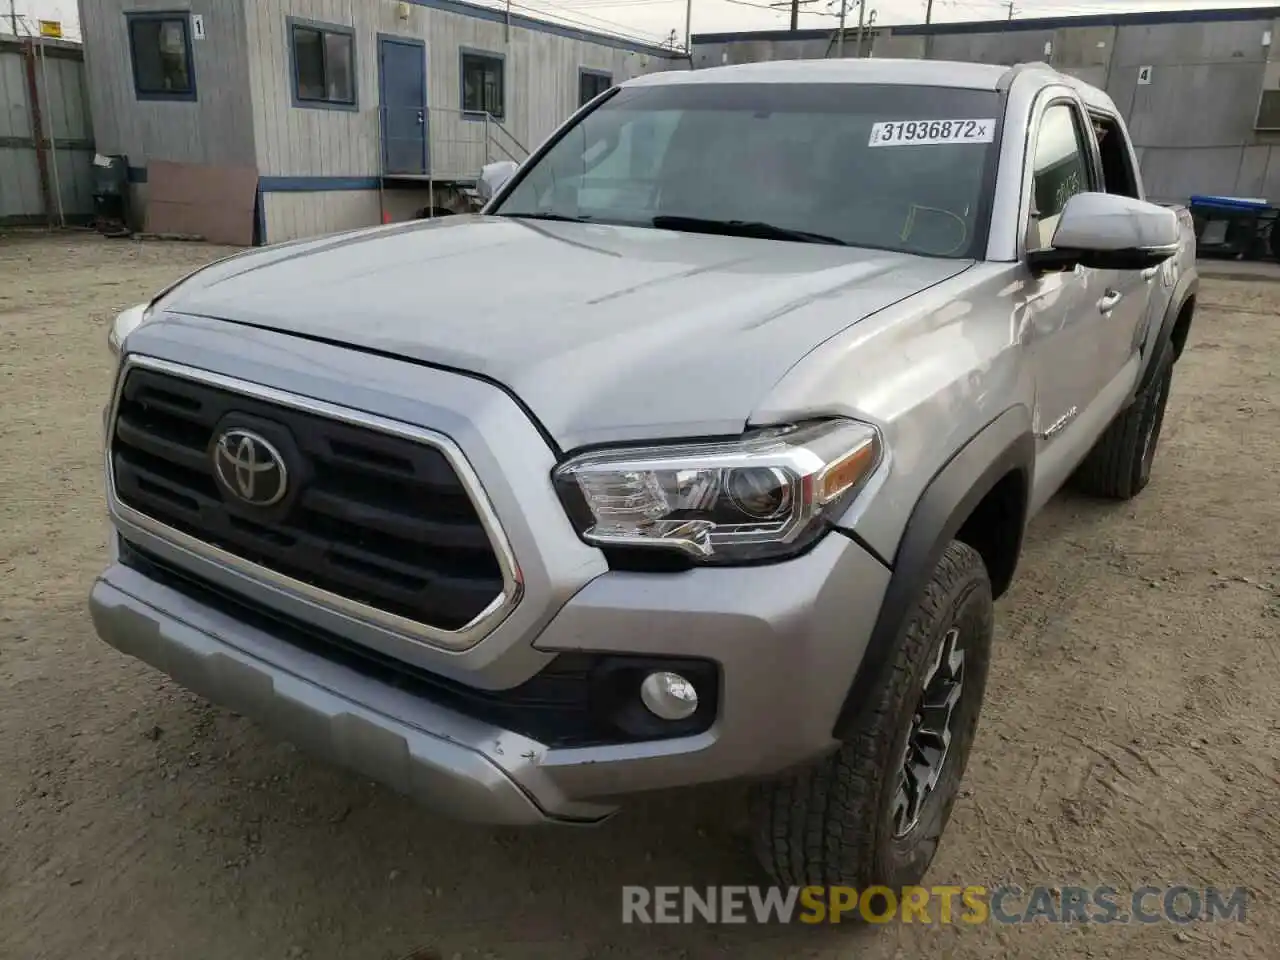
970, 905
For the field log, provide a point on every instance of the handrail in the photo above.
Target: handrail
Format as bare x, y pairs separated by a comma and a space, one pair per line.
459, 143
494, 141
512, 137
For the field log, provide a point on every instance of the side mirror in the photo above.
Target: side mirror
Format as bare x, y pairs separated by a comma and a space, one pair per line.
493, 176
1110, 232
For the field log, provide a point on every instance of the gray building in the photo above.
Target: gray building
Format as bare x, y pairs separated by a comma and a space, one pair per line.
346, 109
1200, 89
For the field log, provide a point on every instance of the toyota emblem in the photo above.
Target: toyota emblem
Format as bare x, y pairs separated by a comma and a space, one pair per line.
250, 468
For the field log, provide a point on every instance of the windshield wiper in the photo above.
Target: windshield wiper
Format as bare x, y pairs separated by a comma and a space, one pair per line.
742, 228
545, 216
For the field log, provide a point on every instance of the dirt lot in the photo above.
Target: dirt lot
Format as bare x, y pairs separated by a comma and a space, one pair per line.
1132, 732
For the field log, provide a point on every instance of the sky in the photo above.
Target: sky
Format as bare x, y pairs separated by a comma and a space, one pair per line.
653, 20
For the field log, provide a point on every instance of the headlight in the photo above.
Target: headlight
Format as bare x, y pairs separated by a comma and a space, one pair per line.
129, 320
767, 495
123, 325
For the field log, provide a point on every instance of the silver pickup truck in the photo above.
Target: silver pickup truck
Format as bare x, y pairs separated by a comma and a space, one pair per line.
700, 454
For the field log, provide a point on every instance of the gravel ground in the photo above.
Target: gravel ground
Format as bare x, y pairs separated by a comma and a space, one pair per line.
1131, 734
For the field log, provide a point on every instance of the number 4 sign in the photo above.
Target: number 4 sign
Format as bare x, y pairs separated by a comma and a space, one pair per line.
1144, 76
197, 27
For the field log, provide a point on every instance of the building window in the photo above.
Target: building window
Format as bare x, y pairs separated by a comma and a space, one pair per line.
324, 65
1268, 111
483, 83
592, 83
160, 48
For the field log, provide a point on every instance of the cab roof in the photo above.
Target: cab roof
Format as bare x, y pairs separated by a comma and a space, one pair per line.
928, 73
920, 73
931, 73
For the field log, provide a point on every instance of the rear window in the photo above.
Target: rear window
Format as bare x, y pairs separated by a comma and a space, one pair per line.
884, 166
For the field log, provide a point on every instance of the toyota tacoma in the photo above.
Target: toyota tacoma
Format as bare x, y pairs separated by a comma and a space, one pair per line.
699, 454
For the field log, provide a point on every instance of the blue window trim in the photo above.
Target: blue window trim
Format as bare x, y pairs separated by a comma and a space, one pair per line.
132, 16
291, 25
592, 72
463, 52
315, 184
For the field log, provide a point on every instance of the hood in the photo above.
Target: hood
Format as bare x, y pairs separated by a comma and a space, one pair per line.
604, 332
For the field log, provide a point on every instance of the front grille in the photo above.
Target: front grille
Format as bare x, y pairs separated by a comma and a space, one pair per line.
372, 517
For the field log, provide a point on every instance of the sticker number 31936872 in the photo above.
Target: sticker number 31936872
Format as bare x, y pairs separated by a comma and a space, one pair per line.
894, 133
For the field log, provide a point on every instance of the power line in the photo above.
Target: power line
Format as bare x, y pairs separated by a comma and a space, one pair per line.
621, 30
794, 8
772, 9
551, 10
602, 4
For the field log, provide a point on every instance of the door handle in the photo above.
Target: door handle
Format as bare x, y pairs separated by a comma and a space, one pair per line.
1109, 301
1149, 274
420, 116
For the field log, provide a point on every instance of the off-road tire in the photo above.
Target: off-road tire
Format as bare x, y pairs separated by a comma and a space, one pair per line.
1119, 465
832, 823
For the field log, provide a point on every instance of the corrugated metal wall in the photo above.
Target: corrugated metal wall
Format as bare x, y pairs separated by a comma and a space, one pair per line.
64, 113
541, 85
1192, 124
291, 215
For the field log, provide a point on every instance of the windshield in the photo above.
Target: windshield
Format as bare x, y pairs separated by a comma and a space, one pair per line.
885, 166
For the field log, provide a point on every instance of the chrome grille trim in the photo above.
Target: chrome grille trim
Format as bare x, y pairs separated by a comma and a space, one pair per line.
463, 638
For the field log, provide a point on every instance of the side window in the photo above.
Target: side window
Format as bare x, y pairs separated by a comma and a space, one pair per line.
1061, 169
592, 83
484, 83
160, 49
1118, 173
323, 64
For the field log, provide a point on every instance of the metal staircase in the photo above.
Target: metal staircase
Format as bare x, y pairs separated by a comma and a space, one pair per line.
458, 145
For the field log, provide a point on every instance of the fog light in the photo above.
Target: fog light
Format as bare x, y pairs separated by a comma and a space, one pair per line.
669, 696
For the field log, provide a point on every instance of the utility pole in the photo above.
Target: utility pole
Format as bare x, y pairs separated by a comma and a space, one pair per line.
844, 6
13, 17
688, 31
1010, 6
928, 11
862, 19
794, 6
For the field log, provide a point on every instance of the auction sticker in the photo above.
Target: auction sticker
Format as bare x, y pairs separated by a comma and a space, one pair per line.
896, 133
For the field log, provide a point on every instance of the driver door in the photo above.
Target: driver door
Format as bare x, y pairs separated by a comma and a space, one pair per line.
1066, 311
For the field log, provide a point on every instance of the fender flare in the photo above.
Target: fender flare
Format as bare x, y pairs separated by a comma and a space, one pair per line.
1005, 445
1187, 288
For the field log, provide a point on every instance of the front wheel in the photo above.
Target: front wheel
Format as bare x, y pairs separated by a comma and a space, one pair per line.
872, 812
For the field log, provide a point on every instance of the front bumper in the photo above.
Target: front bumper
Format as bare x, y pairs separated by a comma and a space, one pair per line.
788, 639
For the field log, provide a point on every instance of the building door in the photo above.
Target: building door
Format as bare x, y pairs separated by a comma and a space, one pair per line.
402, 82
